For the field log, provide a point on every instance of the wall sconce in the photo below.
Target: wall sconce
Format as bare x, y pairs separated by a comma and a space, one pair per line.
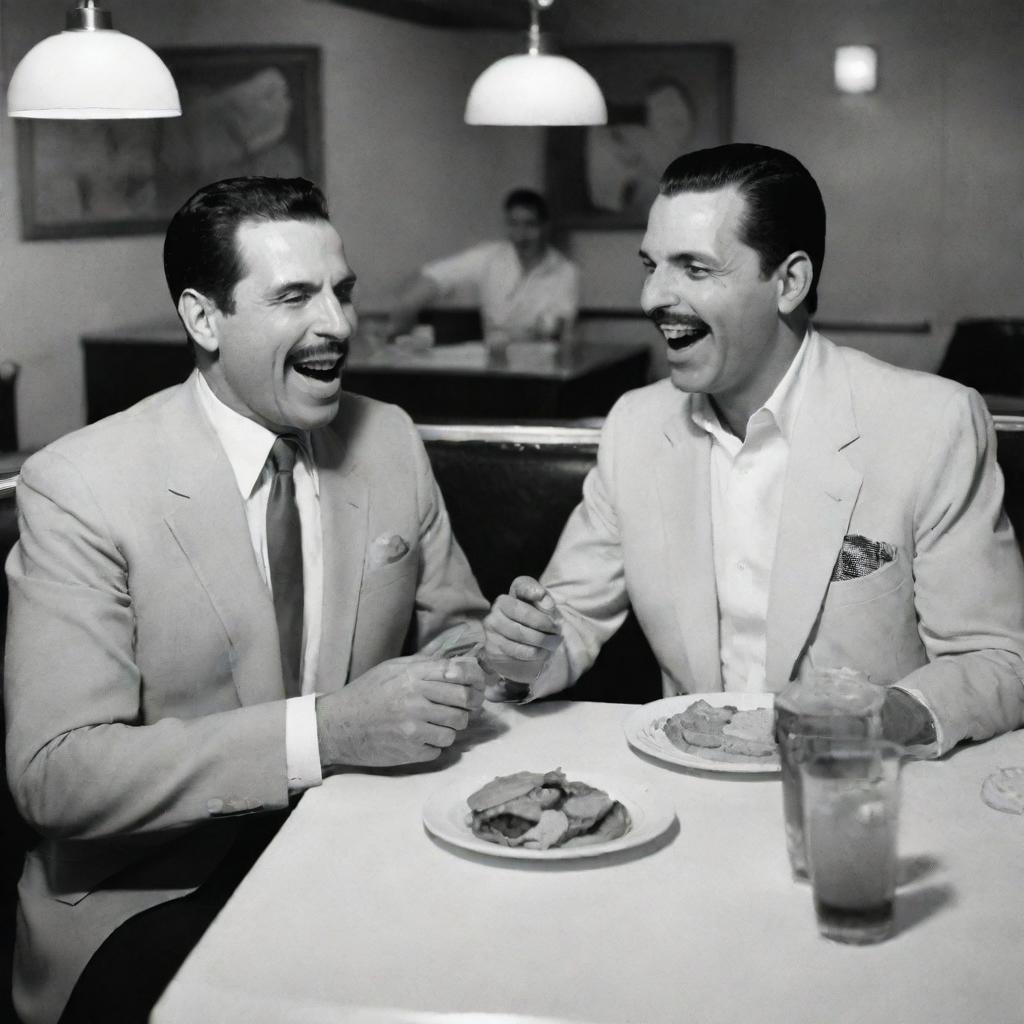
89, 71
535, 88
856, 69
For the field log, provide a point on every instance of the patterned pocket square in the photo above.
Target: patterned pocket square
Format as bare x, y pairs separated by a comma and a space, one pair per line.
385, 549
861, 557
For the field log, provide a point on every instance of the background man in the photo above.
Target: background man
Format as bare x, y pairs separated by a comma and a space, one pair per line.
197, 580
780, 504
524, 286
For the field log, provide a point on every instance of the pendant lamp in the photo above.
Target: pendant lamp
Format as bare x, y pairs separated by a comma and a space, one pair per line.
535, 88
89, 71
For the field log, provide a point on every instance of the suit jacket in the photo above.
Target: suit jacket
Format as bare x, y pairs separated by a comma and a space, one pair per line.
144, 698
893, 455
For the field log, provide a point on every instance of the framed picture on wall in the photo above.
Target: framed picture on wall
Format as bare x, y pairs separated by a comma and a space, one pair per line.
245, 110
662, 101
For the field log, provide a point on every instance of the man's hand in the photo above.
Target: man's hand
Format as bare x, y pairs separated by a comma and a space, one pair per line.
522, 628
905, 720
403, 711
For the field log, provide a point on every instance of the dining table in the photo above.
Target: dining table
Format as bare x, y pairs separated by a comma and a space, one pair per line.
357, 913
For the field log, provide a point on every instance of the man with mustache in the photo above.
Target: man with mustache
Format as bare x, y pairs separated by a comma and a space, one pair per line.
214, 603
779, 504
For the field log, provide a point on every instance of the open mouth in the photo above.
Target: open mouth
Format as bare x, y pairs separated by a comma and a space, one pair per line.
324, 367
679, 336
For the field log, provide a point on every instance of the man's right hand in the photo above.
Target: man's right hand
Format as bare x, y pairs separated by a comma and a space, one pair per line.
523, 627
402, 711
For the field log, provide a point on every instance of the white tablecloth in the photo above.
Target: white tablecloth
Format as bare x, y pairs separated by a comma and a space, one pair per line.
355, 914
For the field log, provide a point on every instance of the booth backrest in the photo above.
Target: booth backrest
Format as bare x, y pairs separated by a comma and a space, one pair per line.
509, 491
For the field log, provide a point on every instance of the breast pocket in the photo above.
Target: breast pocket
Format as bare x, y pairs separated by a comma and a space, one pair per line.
870, 624
385, 575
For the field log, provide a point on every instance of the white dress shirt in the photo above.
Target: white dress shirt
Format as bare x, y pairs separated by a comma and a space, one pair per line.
247, 445
509, 299
747, 481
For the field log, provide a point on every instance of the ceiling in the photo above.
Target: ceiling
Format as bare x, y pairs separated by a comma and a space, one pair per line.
505, 14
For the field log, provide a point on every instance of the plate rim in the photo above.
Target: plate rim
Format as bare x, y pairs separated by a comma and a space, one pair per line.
645, 714
658, 812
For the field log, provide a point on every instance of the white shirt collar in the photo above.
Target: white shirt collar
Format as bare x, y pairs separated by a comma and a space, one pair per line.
783, 403
547, 264
245, 442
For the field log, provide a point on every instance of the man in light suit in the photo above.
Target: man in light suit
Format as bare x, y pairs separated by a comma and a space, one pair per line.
215, 601
779, 504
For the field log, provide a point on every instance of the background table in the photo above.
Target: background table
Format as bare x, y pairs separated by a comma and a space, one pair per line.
449, 382
354, 913
466, 382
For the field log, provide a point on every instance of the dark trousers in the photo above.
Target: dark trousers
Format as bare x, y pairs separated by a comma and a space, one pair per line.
128, 973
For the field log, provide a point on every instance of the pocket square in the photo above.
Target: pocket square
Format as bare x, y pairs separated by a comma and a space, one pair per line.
385, 549
861, 557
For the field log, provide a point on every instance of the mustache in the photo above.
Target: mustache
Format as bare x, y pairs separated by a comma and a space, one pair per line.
665, 319
329, 350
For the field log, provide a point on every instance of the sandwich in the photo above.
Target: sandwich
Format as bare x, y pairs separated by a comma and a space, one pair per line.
543, 810
700, 725
750, 733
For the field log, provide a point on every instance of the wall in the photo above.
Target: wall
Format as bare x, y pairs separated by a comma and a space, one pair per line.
923, 180
406, 179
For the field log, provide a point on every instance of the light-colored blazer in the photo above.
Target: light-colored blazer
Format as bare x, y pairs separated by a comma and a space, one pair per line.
143, 689
889, 454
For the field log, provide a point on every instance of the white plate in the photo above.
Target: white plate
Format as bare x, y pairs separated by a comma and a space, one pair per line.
446, 814
645, 731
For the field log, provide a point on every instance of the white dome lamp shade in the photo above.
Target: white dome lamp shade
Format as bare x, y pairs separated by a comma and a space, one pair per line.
535, 88
90, 71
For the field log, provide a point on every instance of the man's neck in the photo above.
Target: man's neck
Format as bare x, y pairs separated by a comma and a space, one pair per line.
535, 259
734, 408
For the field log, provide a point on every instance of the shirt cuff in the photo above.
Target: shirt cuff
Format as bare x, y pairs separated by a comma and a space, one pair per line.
301, 745
925, 750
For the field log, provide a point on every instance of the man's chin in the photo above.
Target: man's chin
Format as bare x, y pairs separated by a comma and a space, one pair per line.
685, 379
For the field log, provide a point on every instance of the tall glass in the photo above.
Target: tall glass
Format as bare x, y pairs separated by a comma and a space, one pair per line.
832, 702
851, 816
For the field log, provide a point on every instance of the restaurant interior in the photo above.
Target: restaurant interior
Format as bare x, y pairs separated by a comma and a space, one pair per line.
922, 174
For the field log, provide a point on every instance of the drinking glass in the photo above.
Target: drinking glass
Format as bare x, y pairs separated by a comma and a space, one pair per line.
831, 702
851, 816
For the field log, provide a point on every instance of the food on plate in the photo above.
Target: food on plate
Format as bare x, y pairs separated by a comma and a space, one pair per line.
700, 724
750, 733
747, 733
541, 810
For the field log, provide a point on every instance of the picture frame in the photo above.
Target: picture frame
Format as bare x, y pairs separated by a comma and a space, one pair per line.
663, 101
245, 110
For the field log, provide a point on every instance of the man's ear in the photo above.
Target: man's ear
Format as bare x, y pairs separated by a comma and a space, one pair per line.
197, 314
794, 275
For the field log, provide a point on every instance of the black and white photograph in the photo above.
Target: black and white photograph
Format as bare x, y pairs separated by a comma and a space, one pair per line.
511, 512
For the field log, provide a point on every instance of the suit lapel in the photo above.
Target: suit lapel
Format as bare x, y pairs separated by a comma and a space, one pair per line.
684, 490
821, 489
344, 511
207, 517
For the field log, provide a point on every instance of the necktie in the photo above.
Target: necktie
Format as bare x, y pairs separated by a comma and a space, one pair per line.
284, 549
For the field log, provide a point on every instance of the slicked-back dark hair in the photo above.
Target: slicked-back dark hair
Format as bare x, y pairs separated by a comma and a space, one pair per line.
200, 248
785, 212
531, 200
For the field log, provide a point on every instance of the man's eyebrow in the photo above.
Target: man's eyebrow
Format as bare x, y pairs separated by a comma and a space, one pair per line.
310, 286
683, 257
292, 286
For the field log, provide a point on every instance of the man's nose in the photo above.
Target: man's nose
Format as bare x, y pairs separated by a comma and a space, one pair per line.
659, 292
335, 320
